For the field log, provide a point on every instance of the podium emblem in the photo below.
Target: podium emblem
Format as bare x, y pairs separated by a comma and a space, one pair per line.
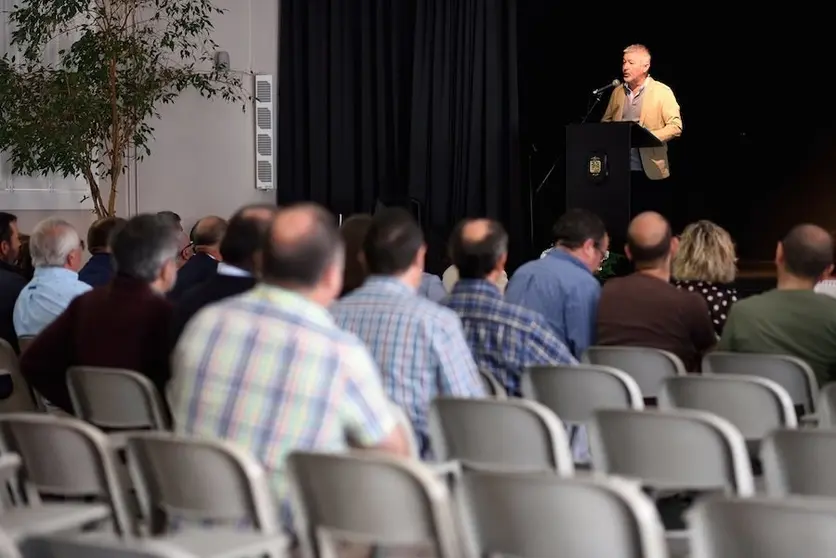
596, 166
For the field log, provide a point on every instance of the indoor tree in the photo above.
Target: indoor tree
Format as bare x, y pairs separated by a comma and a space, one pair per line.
88, 111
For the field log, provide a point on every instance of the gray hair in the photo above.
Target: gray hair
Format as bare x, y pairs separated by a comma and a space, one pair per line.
52, 242
143, 246
641, 50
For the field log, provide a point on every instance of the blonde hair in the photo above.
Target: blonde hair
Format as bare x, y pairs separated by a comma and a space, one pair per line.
706, 253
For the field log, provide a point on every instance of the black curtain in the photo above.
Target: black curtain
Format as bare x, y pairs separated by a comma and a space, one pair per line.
392, 99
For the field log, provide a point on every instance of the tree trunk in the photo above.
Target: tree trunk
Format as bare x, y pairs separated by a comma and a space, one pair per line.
96, 195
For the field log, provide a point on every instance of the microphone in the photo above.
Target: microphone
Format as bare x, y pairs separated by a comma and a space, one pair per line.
614, 83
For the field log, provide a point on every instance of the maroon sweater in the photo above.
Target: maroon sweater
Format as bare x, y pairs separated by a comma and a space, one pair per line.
124, 324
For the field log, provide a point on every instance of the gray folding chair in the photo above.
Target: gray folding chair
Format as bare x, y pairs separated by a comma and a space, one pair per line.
649, 367
514, 433
492, 386
403, 420
530, 515
198, 480
763, 528
115, 400
791, 373
370, 499
799, 462
826, 406
674, 450
67, 458
755, 406
22, 398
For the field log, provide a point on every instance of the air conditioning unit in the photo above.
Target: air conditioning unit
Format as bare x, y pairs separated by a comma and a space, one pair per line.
265, 137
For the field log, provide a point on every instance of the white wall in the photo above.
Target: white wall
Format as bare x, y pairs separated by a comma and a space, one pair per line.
202, 157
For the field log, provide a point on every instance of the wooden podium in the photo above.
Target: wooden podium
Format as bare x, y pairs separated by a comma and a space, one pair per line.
598, 169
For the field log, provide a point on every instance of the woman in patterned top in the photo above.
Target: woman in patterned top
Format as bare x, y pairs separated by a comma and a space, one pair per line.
705, 263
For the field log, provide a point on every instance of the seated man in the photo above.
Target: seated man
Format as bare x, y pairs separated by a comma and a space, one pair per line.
206, 239
99, 268
124, 324
419, 345
56, 255
644, 309
269, 369
504, 338
11, 283
792, 319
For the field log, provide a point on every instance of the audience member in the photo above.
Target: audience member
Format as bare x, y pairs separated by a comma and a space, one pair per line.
353, 232
24, 259
240, 252
451, 276
705, 263
827, 285
269, 369
504, 338
791, 319
206, 237
644, 309
172, 218
123, 324
56, 255
99, 268
12, 281
419, 345
562, 285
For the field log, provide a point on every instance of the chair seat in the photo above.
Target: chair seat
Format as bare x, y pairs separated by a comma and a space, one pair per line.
223, 543
45, 519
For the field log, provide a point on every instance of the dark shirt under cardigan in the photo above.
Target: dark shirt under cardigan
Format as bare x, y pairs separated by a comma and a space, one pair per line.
124, 324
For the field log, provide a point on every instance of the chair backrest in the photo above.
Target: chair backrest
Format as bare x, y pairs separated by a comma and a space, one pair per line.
514, 433
649, 367
492, 386
371, 498
575, 392
762, 527
800, 462
677, 450
791, 373
56, 546
67, 457
199, 479
755, 406
24, 341
115, 399
540, 514
22, 399
826, 406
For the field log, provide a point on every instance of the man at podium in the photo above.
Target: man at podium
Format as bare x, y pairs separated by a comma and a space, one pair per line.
653, 105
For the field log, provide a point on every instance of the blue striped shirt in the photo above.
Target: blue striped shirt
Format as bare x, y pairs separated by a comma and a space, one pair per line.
505, 338
419, 346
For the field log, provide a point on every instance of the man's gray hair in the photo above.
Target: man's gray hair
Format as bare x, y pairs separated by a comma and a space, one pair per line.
52, 242
143, 246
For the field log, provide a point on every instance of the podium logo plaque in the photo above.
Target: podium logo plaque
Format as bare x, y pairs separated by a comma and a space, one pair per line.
597, 167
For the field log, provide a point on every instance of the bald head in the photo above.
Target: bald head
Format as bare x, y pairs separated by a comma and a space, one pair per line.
648, 239
806, 251
246, 234
478, 248
209, 231
303, 242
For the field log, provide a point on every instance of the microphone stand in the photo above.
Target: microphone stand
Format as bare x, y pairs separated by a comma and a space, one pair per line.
533, 192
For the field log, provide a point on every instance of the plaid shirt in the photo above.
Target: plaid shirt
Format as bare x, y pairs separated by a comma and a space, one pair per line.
419, 346
505, 338
270, 371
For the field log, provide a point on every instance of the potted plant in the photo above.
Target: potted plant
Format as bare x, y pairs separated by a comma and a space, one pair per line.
88, 111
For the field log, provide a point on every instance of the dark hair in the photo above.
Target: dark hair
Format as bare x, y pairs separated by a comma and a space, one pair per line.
143, 245
476, 260
644, 254
808, 251
24, 258
392, 242
303, 260
576, 226
100, 233
245, 235
353, 233
6, 220
173, 218
209, 235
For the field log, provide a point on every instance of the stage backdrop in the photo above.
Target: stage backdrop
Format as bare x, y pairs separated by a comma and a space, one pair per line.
392, 99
